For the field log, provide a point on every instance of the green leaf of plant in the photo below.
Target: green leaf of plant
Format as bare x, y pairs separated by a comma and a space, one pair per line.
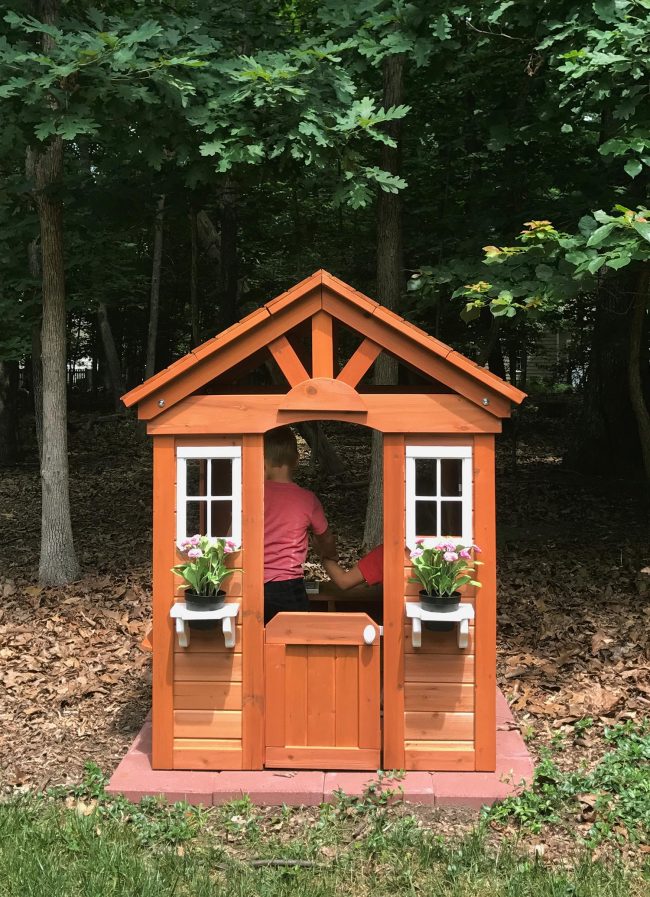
633, 167
600, 234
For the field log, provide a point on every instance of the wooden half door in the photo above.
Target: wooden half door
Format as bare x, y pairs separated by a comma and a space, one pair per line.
322, 691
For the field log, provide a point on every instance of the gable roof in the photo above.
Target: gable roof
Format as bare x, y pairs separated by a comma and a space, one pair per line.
320, 292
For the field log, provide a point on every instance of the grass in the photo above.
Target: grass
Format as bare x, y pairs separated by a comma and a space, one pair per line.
86, 844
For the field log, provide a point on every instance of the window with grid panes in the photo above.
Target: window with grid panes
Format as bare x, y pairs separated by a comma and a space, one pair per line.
438, 492
208, 492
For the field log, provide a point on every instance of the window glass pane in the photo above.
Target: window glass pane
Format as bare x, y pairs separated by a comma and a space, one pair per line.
221, 473
221, 518
451, 474
451, 518
195, 476
195, 520
425, 518
426, 476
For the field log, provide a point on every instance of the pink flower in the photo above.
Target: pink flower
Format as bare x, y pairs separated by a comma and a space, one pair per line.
194, 540
416, 553
450, 556
230, 545
476, 548
195, 553
465, 554
419, 540
184, 544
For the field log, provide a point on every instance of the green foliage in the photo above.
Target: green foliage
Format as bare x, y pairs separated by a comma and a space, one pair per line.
442, 566
206, 567
616, 791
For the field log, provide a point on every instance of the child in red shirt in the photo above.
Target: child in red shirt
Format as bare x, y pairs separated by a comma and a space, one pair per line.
369, 570
291, 513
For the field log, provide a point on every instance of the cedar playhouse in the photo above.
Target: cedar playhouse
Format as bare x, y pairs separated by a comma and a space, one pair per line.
306, 691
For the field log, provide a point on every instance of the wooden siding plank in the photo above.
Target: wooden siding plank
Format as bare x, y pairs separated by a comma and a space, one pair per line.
295, 724
326, 757
321, 694
450, 757
208, 667
207, 724
485, 536
438, 726
438, 642
253, 600
393, 640
210, 642
443, 668
193, 695
274, 665
347, 695
322, 345
394, 413
439, 696
360, 363
164, 535
287, 360
212, 754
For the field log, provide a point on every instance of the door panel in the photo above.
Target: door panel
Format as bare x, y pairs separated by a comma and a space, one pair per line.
322, 694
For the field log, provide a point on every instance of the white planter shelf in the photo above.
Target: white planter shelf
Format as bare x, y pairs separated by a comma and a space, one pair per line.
417, 614
226, 613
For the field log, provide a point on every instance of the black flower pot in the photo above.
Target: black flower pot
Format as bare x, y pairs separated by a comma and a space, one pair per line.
441, 604
194, 601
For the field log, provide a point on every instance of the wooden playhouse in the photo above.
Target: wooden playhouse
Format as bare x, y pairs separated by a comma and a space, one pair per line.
306, 692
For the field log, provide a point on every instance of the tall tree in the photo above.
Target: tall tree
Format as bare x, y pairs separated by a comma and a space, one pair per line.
58, 561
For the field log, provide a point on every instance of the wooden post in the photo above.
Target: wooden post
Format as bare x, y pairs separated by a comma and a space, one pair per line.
394, 542
485, 537
322, 345
253, 602
164, 533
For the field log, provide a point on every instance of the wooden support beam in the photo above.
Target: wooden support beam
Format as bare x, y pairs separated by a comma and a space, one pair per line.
360, 362
486, 604
287, 360
253, 602
164, 535
322, 345
394, 558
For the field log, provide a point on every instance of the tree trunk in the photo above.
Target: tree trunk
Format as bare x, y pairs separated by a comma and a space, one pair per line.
229, 269
194, 277
323, 453
635, 381
154, 306
58, 562
390, 285
37, 360
112, 358
8, 413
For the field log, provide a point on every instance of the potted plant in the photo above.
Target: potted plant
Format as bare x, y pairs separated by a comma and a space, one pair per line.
204, 571
442, 566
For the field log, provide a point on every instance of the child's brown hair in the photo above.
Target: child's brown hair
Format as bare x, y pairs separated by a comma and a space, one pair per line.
280, 447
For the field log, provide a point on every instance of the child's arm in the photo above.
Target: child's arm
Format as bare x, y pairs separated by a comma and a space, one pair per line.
325, 545
344, 579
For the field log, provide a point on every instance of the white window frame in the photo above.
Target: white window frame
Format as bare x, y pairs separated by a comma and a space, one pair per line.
438, 453
207, 453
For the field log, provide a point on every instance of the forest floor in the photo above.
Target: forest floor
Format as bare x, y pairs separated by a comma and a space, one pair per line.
573, 635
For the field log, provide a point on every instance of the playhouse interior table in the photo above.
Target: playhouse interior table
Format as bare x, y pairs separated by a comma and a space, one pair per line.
337, 599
